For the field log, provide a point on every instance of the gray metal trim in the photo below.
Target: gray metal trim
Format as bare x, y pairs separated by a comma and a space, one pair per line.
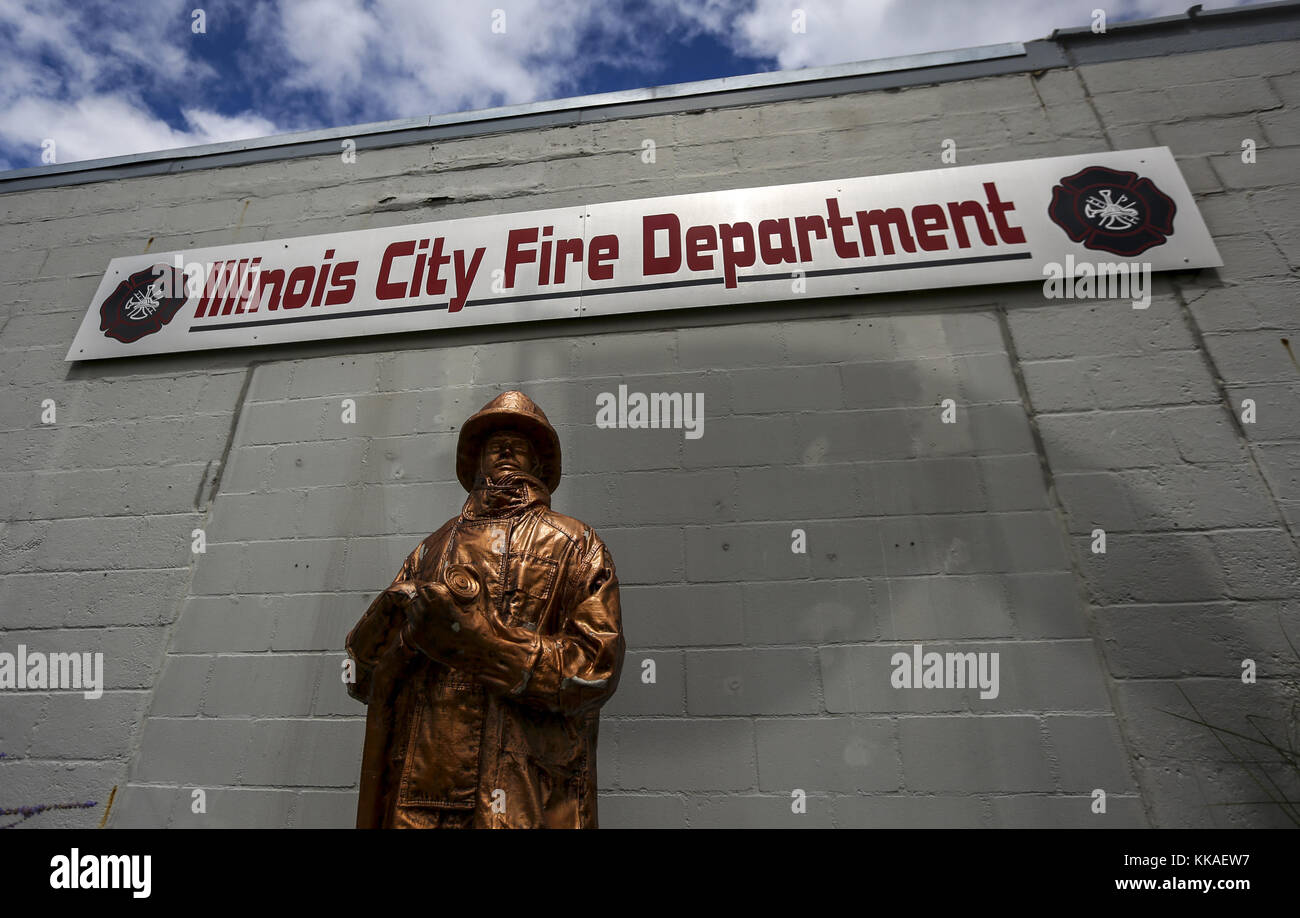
1194, 31
1193, 12
1197, 30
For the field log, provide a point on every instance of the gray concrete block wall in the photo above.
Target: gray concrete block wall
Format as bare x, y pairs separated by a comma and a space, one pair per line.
1202, 538
771, 667
704, 546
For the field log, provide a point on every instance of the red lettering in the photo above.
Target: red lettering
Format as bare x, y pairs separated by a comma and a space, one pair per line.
879, 219
929, 221
785, 251
516, 254
566, 248
959, 211
273, 279
804, 226
733, 257
434, 285
699, 241
602, 249
843, 247
998, 208
384, 288
661, 264
544, 266
465, 277
247, 284
292, 299
417, 276
321, 277
211, 301
342, 286
234, 280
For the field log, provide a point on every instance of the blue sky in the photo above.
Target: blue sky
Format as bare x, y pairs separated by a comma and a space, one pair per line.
89, 79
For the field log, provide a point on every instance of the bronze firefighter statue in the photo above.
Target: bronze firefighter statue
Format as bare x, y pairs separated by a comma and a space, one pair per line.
486, 662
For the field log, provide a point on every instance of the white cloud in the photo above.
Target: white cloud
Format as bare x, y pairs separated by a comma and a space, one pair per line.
79, 76
215, 128
401, 58
841, 31
99, 126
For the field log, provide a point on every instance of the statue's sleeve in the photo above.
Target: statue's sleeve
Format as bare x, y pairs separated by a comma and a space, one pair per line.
577, 668
375, 631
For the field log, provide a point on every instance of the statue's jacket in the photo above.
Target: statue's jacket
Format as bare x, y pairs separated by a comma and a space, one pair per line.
495, 751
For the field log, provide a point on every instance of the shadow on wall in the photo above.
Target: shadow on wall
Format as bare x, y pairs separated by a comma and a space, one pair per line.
1195, 601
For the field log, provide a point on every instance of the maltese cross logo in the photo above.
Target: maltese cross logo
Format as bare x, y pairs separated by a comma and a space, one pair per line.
142, 304
1112, 211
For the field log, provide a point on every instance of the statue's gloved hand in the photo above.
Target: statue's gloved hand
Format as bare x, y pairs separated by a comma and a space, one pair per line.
434, 622
467, 636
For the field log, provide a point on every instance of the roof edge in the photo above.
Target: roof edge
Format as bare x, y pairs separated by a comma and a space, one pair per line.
568, 104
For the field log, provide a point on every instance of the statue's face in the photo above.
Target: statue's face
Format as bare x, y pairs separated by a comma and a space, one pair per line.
507, 451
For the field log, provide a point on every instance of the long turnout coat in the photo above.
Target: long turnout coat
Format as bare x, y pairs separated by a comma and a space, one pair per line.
446, 747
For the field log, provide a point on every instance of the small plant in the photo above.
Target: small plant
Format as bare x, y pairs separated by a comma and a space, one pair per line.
1263, 744
27, 812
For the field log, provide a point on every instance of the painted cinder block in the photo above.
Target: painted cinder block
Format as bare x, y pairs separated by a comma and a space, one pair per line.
642, 811
747, 551
1073, 811
827, 754
684, 755
276, 684
646, 554
760, 811
676, 614
75, 727
974, 753
663, 697
93, 598
234, 807
798, 493
681, 497
325, 809
757, 681
949, 607
811, 613
909, 811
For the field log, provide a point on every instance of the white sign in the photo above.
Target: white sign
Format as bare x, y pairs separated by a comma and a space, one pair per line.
989, 224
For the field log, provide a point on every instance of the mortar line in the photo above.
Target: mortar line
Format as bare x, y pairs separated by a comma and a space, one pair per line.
1072, 65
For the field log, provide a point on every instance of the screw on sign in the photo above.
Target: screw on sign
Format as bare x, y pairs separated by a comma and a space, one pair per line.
140, 305
1112, 211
